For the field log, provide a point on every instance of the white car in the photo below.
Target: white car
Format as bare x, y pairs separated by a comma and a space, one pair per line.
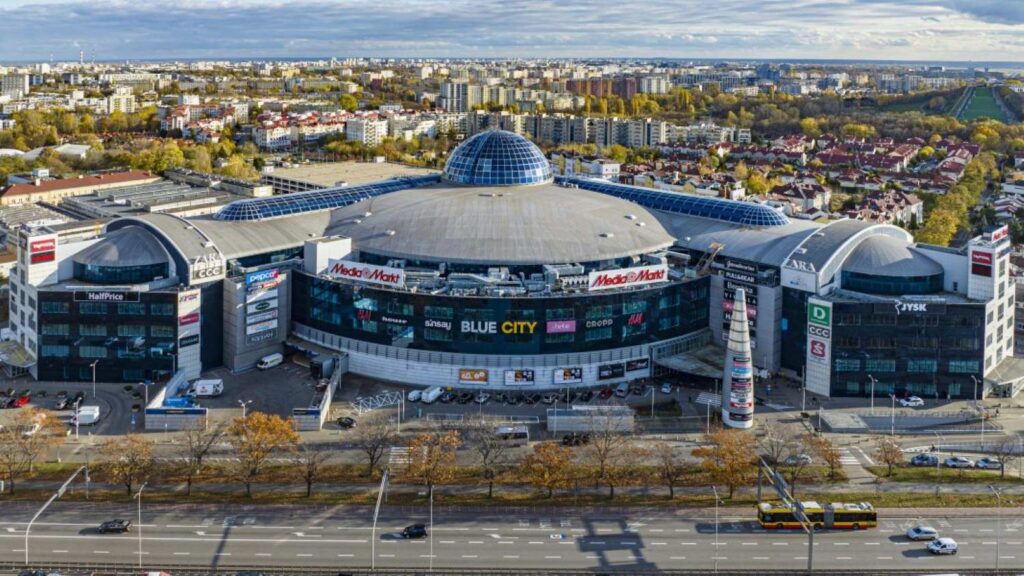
793, 460
482, 397
911, 402
922, 533
959, 462
942, 546
666, 388
989, 463
414, 395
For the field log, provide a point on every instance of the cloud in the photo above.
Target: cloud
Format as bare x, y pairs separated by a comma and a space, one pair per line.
168, 29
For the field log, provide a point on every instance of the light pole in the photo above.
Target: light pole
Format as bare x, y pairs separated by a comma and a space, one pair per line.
138, 495
653, 392
57, 494
892, 417
243, 404
78, 416
873, 382
803, 391
938, 459
999, 520
715, 490
376, 512
94, 363
430, 535
975, 380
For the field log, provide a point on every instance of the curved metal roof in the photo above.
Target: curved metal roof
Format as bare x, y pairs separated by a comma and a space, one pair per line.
742, 213
497, 158
129, 246
888, 256
522, 225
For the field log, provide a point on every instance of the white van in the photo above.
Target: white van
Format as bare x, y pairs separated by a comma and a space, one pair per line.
622, 390
431, 394
87, 416
270, 360
207, 388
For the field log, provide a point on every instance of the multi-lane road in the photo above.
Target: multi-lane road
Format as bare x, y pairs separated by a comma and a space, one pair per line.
611, 539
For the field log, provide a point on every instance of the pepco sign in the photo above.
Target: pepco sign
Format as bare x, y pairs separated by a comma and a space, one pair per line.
625, 277
368, 273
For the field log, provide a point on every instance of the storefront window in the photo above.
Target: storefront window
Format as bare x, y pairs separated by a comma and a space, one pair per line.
595, 334
634, 307
847, 365
162, 309
131, 309
56, 307
131, 331
92, 352
56, 329
597, 312
99, 308
437, 334
559, 314
439, 312
922, 366
880, 365
120, 274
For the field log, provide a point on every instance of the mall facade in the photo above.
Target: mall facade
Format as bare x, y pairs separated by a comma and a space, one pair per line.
494, 274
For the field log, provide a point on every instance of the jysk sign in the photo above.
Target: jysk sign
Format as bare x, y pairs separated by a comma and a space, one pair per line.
106, 296
818, 314
627, 277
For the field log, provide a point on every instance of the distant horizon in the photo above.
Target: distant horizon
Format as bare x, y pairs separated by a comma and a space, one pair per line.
859, 30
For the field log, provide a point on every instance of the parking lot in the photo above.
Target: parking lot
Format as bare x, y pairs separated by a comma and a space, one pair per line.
115, 401
274, 391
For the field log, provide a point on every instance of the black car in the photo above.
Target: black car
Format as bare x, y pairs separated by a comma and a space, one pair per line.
62, 394
515, 399
636, 390
465, 398
346, 422
78, 396
65, 404
501, 397
446, 398
575, 439
118, 526
586, 395
415, 531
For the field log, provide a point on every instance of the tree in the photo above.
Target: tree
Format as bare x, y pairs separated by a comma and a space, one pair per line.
776, 442
548, 467
348, 102
888, 452
18, 452
1006, 450
374, 436
671, 466
727, 458
195, 445
309, 463
432, 456
798, 467
609, 452
128, 459
491, 450
829, 452
255, 438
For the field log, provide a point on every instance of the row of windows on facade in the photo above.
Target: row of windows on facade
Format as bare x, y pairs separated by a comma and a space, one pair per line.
911, 366
918, 342
92, 351
484, 314
122, 330
127, 374
103, 308
923, 389
952, 320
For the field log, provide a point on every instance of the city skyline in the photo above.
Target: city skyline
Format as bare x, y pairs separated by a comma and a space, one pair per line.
954, 30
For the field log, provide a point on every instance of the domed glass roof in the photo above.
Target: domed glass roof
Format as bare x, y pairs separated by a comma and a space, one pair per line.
497, 158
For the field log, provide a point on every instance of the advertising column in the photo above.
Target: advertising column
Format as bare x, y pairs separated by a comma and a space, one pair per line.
261, 305
189, 360
738, 374
818, 369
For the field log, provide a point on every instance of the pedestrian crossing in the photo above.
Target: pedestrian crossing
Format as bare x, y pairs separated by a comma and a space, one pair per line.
399, 456
846, 458
709, 398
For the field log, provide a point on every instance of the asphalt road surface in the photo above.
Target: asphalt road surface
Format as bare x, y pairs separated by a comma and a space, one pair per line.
605, 539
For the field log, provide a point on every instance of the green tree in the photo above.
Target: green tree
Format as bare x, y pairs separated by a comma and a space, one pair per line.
348, 102
810, 127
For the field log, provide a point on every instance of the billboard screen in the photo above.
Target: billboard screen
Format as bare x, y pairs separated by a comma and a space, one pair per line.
611, 371
520, 377
568, 375
472, 376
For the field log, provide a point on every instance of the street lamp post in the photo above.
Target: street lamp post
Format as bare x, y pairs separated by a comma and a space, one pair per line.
873, 382
803, 391
94, 363
243, 404
653, 392
57, 494
376, 512
892, 417
999, 520
715, 490
78, 416
430, 536
938, 471
138, 495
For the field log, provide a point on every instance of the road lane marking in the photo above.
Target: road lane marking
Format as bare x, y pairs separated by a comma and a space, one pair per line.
682, 529
719, 557
749, 544
655, 530
534, 542
552, 557
599, 542
304, 555
659, 543
677, 557
476, 542
843, 558
469, 556
339, 555
269, 554
511, 557
799, 557
840, 543
884, 558
872, 543
1008, 557
447, 542
505, 542
182, 553
222, 553
101, 552
60, 551
428, 555
386, 555
780, 543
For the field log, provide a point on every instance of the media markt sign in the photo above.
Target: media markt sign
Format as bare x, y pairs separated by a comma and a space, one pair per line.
819, 314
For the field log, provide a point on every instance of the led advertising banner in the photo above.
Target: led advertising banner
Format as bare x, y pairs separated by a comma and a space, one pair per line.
520, 377
568, 375
611, 371
472, 376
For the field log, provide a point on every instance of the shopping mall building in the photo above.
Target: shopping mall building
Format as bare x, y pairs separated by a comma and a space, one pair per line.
495, 274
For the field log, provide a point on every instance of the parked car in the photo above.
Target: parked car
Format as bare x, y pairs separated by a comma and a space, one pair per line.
78, 396
447, 397
64, 404
794, 459
345, 422
911, 402
550, 398
465, 398
924, 460
119, 526
637, 390
533, 398
62, 394
414, 395
575, 439
605, 393
922, 533
666, 388
21, 401
415, 531
989, 463
482, 397
514, 399
959, 462
942, 546
586, 395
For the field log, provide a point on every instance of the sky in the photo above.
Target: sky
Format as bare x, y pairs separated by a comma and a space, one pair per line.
946, 30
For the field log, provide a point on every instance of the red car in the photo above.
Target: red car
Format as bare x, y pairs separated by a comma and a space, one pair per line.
605, 393
21, 401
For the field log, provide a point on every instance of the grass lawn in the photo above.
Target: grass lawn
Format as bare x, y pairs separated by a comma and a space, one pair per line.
929, 475
983, 105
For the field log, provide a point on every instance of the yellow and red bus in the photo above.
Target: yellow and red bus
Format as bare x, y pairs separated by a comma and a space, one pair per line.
841, 515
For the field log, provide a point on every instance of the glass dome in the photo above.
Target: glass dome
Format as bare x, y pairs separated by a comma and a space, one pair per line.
497, 158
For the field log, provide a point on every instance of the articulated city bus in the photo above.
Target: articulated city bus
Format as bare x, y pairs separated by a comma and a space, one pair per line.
777, 515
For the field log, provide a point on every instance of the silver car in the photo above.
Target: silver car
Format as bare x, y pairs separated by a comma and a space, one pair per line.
989, 463
959, 462
922, 533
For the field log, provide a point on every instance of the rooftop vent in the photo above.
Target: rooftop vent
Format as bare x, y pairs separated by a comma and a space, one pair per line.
607, 235
630, 216
390, 232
